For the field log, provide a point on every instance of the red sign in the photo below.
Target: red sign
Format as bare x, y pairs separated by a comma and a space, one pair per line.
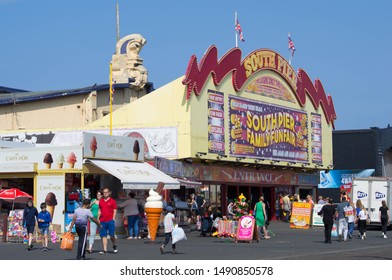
262, 59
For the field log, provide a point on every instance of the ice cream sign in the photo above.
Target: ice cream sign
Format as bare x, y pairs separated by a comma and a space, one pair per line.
47, 158
102, 146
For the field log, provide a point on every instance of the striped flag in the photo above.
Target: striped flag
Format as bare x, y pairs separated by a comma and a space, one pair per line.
291, 46
239, 29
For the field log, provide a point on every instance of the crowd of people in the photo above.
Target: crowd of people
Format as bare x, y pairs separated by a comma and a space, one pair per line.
100, 213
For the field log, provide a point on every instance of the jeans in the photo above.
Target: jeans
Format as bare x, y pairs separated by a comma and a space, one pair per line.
384, 224
133, 225
327, 231
168, 236
351, 228
343, 228
93, 232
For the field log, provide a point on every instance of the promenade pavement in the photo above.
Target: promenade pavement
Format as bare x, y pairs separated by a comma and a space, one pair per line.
285, 244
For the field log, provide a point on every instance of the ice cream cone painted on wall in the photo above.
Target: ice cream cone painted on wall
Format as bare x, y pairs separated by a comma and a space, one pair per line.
136, 150
51, 203
48, 160
60, 161
153, 209
93, 146
71, 159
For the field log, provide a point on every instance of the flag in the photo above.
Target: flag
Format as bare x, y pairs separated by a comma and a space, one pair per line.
291, 46
239, 29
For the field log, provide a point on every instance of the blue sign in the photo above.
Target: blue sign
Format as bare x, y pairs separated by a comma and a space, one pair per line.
336, 178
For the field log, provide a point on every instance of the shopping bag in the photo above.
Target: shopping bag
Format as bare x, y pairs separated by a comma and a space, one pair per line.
178, 234
67, 241
334, 232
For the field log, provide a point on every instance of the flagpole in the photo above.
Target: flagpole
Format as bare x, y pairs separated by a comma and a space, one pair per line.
117, 22
290, 50
111, 98
235, 31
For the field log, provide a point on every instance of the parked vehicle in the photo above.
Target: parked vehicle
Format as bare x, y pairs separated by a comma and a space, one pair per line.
371, 191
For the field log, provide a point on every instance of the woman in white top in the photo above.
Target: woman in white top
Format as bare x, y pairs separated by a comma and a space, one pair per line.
362, 222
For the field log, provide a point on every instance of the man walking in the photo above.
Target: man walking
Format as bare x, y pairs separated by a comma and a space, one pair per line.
343, 223
328, 213
286, 207
106, 216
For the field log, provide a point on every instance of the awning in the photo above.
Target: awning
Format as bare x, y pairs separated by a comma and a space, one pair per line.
188, 183
136, 175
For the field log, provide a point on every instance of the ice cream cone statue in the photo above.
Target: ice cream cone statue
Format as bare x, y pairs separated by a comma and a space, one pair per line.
153, 209
51, 203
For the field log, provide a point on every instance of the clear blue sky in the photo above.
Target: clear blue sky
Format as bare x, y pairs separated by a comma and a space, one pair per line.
47, 45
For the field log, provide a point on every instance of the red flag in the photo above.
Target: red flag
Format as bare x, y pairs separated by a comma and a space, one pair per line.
291, 46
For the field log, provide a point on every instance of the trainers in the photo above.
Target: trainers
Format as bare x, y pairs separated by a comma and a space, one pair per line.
44, 249
162, 249
350, 236
385, 236
174, 252
103, 252
30, 247
115, 250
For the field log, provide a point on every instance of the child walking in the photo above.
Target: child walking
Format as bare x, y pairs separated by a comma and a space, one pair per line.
168, 224
44, 220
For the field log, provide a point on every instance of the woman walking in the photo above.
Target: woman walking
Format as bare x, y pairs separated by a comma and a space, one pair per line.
94, 207
261, 217
384, 218
131, 211
362, 222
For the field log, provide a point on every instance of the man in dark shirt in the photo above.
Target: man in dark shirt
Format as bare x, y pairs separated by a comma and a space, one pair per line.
328, 213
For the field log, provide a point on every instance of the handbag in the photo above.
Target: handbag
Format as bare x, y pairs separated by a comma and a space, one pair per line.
67, 241
334, 232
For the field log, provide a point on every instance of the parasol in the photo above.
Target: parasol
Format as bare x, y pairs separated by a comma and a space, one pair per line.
14, 195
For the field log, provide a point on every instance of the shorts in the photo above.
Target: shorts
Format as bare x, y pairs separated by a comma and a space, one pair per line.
44, 230
107, 227
30, 228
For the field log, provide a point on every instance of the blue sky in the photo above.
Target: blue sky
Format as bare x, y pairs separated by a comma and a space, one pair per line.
47, 45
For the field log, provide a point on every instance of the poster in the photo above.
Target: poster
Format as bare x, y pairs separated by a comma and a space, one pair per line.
300, 215
216, 122
261, 130
51, 190
245, 228
316, 219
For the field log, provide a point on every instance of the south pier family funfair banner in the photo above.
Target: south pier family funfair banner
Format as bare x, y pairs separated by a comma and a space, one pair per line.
263, 130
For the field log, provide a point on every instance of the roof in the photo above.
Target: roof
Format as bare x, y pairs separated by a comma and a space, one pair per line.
12, 96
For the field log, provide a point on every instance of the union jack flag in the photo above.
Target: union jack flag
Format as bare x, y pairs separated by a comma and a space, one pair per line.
239, 30
291, 46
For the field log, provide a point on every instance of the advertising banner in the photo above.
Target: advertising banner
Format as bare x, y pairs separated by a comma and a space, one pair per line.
102, 146
216, 122
245, 228
300, 215
51, 190
335, 179
316, 135
261, 130
49, 157
317, 220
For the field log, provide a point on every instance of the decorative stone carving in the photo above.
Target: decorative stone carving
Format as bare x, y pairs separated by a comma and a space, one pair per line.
126, 62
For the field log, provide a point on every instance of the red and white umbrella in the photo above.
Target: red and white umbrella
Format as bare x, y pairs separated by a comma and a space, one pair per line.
15, 195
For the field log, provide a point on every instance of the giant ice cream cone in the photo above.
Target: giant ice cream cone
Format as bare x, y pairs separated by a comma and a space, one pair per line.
153, 209
153, 217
